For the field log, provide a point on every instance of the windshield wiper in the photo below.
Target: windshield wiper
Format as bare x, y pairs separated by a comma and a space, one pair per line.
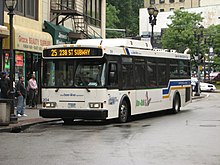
84, 83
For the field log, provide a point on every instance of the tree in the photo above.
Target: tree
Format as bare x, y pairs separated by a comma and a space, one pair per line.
128, 15
111, 20
213, 32
180, 33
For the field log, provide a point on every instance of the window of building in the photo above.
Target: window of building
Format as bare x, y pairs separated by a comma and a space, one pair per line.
161, 10
27, 8
181, 0
162, 1
181, 8
171, 9
172, 1
152, 2
93, 12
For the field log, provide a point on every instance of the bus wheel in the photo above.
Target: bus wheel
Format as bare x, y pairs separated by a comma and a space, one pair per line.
176, 104
68, 121
123, 112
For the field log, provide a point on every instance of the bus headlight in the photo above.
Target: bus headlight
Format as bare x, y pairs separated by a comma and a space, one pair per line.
95, 105
49, 104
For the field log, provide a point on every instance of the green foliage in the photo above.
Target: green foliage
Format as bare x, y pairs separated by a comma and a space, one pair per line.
180, 33
212, 35
111, 16
111, 20
216, 63
213, 32
128, 15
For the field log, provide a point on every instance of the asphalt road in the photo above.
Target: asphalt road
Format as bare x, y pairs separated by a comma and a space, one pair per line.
191, 137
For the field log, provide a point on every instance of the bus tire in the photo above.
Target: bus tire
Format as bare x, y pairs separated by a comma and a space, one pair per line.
123, 112
68, 121
176, 104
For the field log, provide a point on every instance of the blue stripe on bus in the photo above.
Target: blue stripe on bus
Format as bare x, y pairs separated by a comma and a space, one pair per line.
175, 83
127, 51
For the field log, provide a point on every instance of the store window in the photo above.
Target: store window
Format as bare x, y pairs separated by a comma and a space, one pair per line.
27, 8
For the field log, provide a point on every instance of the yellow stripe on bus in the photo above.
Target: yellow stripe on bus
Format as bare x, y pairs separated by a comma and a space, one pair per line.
124, 51
174, 88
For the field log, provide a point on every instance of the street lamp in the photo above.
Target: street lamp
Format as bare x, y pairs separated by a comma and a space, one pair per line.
153, 12
198, 34
11, 4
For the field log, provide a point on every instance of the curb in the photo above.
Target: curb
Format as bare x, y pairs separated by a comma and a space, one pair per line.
16, 128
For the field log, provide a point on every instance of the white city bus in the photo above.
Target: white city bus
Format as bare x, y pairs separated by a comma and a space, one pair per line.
98, 79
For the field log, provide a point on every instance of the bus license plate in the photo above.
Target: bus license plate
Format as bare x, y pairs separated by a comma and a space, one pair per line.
71, 105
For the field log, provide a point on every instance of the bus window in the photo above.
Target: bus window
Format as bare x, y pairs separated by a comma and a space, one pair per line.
152, 72
113, 74
184, 69
174, 69
162, 73
90, 74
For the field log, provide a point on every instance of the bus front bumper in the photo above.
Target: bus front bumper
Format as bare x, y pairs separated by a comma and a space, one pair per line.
75, 114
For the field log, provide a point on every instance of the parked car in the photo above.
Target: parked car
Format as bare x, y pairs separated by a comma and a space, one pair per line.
203, 86
207, 87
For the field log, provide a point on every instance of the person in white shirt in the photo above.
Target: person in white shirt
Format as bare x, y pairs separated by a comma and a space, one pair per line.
32, 91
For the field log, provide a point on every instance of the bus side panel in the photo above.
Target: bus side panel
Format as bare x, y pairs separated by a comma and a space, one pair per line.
112, 103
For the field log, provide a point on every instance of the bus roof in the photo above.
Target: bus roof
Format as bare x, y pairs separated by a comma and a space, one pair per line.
116, 42
124, 47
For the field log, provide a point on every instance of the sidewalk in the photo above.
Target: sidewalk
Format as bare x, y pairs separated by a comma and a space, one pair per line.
34, 118
24, 122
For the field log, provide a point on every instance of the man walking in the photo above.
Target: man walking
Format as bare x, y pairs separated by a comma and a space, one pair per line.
22, 94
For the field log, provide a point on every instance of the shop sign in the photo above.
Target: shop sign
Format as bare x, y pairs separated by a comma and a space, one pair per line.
61, 38
31, 43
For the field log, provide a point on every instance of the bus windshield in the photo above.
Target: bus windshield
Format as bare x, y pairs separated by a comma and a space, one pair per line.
73, 73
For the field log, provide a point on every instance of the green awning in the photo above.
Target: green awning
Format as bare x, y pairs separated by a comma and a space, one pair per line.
58, 32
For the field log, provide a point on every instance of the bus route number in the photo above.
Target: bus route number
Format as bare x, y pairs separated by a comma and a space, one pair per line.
69, 52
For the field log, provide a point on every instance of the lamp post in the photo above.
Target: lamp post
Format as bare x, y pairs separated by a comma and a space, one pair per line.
198, 34
11, 4
153, 12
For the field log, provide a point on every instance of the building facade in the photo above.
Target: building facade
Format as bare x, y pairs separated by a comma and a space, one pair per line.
39, 23
210, 13
28, 38
169, 5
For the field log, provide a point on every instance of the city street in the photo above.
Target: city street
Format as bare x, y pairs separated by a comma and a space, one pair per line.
191, 137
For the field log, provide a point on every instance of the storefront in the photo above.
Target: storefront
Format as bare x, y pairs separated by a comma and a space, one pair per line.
28, 47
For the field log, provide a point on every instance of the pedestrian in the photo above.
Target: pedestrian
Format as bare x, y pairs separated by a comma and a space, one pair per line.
5, 85
21, 96
32, 91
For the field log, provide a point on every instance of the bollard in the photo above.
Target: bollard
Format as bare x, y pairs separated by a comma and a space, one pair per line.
5, 111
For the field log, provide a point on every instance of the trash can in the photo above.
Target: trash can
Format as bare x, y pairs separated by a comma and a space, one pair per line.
5, 107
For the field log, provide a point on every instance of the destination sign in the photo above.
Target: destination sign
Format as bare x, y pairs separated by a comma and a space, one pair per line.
72, 52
